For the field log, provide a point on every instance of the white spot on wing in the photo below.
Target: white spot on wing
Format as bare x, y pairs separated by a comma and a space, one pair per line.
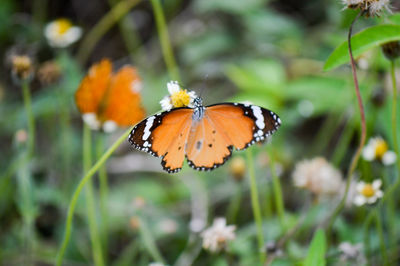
259, 116
149, 124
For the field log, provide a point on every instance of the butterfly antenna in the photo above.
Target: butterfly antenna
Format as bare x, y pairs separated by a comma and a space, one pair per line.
204, 85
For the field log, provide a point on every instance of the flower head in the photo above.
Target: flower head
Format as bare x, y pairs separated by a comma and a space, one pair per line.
177, 97
238, 168
391, 50
378, 149
351, 253
61, 33
216, 237
110, 100
21, 67
370, 8
49, 72
368, 192
318, 176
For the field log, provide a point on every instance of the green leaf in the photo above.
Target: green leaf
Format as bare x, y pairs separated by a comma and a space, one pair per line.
316, 252
361, 42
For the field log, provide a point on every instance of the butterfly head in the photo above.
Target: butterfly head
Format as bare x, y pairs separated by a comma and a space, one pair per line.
198, 102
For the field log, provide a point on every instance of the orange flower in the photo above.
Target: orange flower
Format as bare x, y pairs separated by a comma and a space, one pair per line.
108, 100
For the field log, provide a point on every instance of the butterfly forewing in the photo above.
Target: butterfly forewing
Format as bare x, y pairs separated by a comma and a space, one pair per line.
164, 135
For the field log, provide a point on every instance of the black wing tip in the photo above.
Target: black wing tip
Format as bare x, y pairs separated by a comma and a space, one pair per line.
214, 166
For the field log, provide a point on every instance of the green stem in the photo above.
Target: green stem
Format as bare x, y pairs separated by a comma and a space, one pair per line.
75, 196
357, 154
381, 238
90, 201
277, 191
149, 242
164, 40
30, 117
104, 25
256, 207
234, 204
103, 191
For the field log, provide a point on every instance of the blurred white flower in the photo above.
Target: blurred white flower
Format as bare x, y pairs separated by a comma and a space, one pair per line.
157, 264
305, 108
351, 253
216, 237
168, 226
368, 192
318, 176
377, 149
370, 8
91, 120
177, 97
109, 126
61, 33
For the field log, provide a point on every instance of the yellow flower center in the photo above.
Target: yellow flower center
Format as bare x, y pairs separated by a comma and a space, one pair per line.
180, 99
368, 191
381, 148
63, 25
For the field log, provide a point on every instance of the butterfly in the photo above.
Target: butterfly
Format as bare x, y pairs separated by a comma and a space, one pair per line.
107, 99
205, 135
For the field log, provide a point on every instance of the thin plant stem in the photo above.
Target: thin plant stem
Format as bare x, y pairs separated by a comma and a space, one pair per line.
234, 204
30, 117
75, 196
103, 192
276, 183
357, 154
256, 206
379, 230
90, 201
104, 25
149, 241
164, 40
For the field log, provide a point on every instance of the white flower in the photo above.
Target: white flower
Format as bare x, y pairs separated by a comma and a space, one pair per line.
368, 7
61, 33
367, 192
156, 264
177, 97
351, 253
377, 149
91, 120
318, 176
109, 126
216, 237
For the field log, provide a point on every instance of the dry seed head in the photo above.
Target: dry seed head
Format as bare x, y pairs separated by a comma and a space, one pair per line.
49, 73
391, 50
369, 8
22, 67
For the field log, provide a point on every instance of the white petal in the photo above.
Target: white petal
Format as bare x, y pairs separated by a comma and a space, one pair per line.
379, 193
359, 200
136, 86
368, 152
173, 87
166, 104
372, 199
91, 120
360, 186
389, 158
377, 184
109, 126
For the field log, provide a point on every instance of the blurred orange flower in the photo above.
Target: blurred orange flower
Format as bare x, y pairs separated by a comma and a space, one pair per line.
109, 100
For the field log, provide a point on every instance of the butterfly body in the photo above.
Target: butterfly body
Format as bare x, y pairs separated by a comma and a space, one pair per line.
204, 135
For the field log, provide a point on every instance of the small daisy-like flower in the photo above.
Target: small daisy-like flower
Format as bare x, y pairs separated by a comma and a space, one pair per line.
216, 237
177, 97
61, 33
368, 192
378, 149
318, 176
370, 8
351, 253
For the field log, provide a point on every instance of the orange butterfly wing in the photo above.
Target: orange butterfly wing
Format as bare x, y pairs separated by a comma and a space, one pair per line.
164, 135
123, 104
93, 87
225, 126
